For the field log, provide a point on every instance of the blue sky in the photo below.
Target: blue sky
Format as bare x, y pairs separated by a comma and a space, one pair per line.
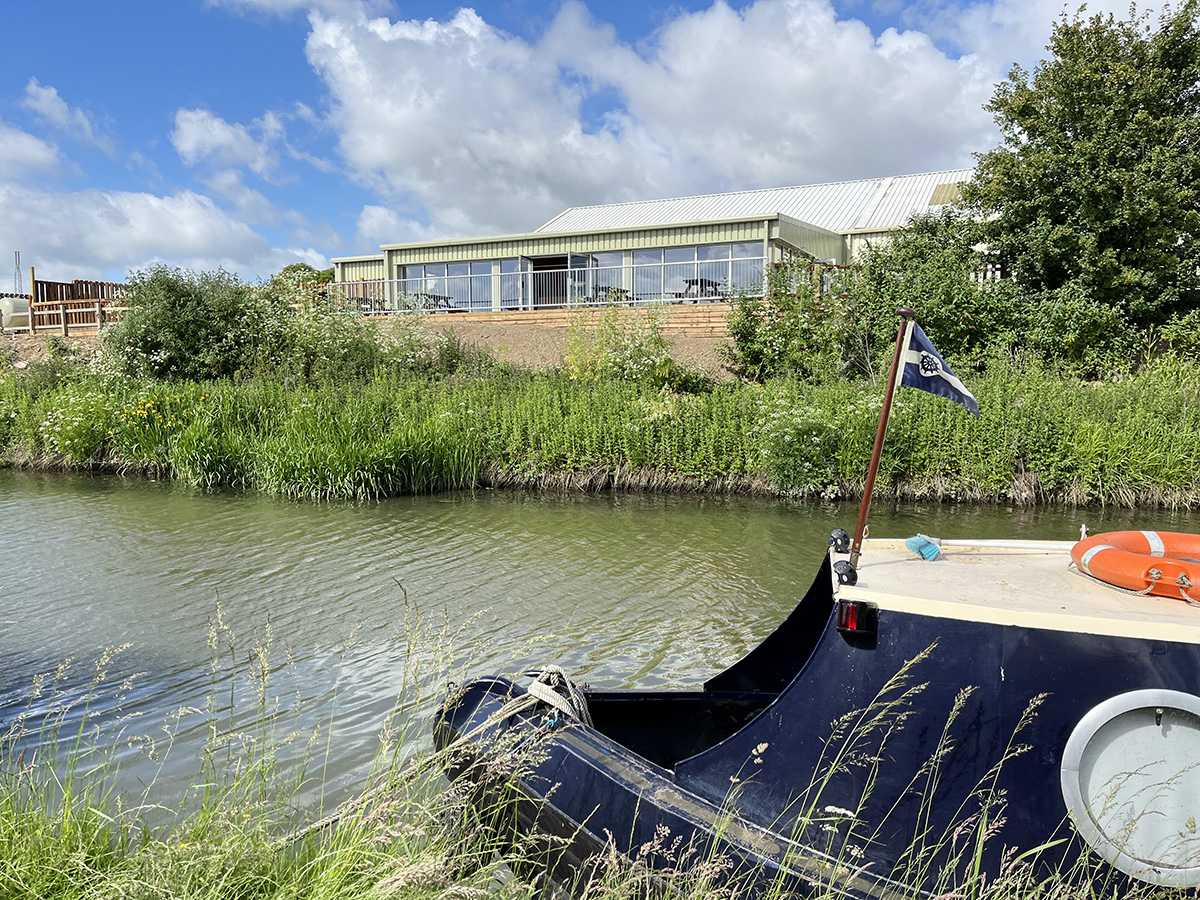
254, 133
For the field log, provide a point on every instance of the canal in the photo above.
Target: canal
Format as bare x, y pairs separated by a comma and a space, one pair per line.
343, 610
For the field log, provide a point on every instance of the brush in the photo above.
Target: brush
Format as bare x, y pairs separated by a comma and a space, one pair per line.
924, 546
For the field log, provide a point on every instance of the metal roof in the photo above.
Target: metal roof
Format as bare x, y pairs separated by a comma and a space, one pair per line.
871, 204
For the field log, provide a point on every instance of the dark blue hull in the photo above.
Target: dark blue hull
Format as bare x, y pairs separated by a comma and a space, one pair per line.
824, 758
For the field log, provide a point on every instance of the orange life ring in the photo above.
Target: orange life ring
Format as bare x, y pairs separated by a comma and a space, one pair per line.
1163, 563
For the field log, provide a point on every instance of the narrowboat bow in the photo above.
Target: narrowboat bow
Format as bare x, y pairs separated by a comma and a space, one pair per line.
992, 697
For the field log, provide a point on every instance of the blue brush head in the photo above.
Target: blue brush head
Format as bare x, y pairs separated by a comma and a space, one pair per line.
923, 547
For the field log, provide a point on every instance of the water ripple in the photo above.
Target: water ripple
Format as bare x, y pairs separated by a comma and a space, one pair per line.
628, 590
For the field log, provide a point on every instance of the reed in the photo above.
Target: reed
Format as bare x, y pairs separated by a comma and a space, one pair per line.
1042, 438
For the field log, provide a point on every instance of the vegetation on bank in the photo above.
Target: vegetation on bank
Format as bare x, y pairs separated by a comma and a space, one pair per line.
449, 418
240, 830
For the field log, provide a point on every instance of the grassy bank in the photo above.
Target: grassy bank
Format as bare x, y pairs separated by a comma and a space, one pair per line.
1041, 438
242, 832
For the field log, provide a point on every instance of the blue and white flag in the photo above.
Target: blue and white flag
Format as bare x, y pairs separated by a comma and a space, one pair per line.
925, 370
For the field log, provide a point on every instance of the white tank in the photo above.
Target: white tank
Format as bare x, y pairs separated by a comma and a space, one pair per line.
14, 313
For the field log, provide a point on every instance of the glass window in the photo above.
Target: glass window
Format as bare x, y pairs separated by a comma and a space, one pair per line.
746, 275
508, 266
608, 259
646, 257
714, 251
435, 271
680, 254
414, 271
481, 284
458, 269
647, 283
713, 276
748, 250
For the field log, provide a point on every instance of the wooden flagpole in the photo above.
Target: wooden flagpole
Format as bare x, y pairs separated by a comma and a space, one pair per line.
902, 338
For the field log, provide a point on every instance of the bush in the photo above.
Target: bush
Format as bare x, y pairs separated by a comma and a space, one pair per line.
184, 324
1083, 336
623, 344
299, 286
334, 346
766, 332
933, 267
1181, 333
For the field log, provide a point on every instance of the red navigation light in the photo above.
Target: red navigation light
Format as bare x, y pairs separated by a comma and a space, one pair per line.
857, 617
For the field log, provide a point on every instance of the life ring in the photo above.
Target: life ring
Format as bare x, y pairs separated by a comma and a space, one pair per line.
1163, 563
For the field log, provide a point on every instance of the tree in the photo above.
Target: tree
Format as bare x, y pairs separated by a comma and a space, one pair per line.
1093, 196
303, 273
933, 266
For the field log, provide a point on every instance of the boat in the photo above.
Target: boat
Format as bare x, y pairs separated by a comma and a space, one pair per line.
1066, 708
929, 712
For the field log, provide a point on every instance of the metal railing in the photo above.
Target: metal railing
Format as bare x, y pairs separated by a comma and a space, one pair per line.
533, 289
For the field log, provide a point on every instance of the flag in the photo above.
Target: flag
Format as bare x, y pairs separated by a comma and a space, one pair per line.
925, 370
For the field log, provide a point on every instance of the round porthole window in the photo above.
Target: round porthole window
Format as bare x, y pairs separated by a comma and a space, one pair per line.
1131, 781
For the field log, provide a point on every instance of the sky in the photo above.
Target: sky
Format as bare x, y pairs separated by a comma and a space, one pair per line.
250, 134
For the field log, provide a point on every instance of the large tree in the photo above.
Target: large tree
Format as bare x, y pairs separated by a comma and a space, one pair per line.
1094, 192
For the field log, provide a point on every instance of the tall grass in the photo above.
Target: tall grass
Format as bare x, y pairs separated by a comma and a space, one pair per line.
243, 829
1041, 438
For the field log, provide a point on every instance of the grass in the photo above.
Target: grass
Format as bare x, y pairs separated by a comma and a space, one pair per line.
240, 830
68, 831
1041, 439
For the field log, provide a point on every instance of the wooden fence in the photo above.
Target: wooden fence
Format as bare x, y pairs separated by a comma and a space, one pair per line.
66, 306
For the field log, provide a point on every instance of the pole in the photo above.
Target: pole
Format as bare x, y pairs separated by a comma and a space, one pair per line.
902, 338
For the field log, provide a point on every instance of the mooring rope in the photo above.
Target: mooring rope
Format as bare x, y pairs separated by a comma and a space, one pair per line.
553, 686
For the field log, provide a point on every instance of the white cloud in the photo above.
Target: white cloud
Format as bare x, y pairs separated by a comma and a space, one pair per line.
251, 205
45, 103
90, 233
1002, 32
380, 225
199, 136
24, 154
473, 131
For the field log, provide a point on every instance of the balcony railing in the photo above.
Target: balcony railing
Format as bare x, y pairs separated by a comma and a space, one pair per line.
693, 282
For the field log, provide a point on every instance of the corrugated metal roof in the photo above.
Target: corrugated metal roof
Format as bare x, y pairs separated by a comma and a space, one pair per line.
869, 204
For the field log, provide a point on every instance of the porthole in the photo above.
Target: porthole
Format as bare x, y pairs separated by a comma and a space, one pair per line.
1131, 781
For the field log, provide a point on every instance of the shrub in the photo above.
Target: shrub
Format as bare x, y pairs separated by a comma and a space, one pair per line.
77, 423
1085, 337
821, 324
184, 324
1181, 333
334, 346
793, 328
298, 286
934, 267
624, 344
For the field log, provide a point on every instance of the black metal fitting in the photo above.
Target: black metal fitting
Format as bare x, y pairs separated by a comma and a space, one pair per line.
846, 573
839, 540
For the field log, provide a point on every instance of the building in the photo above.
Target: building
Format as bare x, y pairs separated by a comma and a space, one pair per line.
687, 249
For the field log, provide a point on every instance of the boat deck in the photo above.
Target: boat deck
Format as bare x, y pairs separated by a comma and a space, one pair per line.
1027, 583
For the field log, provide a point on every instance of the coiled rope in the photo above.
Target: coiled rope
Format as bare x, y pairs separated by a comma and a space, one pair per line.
552, 686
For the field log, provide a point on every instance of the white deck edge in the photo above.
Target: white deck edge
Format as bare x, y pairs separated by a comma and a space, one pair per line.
1060, 620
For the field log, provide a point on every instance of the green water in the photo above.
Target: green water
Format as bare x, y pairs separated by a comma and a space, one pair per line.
621, 590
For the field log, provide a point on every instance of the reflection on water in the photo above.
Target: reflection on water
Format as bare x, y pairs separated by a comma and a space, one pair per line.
621, 590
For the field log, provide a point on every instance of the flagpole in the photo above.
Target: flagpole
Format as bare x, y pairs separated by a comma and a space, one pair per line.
903, 336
